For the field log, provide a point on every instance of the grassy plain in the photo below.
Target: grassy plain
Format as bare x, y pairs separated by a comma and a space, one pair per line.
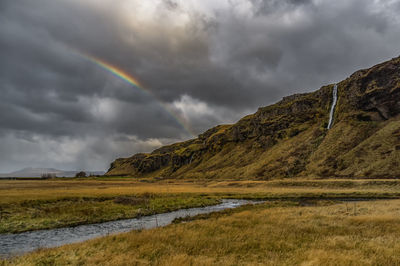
279, 232
40, 204
12, 191
364, 233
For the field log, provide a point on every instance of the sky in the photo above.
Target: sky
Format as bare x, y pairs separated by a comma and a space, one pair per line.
197, 64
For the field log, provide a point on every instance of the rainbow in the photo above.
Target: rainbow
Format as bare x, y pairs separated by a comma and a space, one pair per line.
121, 74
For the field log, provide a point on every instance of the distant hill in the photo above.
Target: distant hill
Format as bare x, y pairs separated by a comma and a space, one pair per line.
290, 138
38, 172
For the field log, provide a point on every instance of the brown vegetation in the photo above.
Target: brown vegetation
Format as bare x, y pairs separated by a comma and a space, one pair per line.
31, 205
365, 233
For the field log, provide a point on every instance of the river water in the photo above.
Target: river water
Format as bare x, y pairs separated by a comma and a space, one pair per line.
17, 244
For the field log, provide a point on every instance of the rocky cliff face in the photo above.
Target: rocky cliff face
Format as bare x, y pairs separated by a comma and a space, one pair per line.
290, 138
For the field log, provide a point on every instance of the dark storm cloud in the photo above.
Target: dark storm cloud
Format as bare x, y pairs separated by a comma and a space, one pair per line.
209, 61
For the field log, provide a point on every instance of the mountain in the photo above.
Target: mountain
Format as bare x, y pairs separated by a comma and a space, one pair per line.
38, 172
291, 139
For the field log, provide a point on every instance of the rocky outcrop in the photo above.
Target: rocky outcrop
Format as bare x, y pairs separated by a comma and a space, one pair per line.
285, 139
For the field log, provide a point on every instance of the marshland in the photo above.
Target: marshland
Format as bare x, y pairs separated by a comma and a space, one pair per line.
300, 221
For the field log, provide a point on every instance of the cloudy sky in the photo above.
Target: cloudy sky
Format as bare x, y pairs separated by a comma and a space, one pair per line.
199, 62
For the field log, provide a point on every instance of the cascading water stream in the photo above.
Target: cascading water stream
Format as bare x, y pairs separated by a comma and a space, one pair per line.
334, 101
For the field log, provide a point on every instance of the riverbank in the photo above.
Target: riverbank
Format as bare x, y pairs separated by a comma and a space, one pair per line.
44, 204
365, 233
56, 213
18, 244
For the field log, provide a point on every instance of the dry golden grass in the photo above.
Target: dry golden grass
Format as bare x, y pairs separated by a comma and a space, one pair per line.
260, 235
42, 204
17, 191
366, 233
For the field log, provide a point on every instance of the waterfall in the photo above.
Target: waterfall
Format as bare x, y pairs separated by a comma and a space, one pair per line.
334, 101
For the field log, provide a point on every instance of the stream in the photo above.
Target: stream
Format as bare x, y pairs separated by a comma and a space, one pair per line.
17, 244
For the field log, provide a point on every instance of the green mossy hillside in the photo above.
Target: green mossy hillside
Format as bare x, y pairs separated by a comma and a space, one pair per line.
289, 139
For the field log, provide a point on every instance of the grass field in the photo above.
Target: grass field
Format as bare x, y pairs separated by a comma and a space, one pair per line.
44, 214
367, 233
277, 232
31, 205
18, 191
